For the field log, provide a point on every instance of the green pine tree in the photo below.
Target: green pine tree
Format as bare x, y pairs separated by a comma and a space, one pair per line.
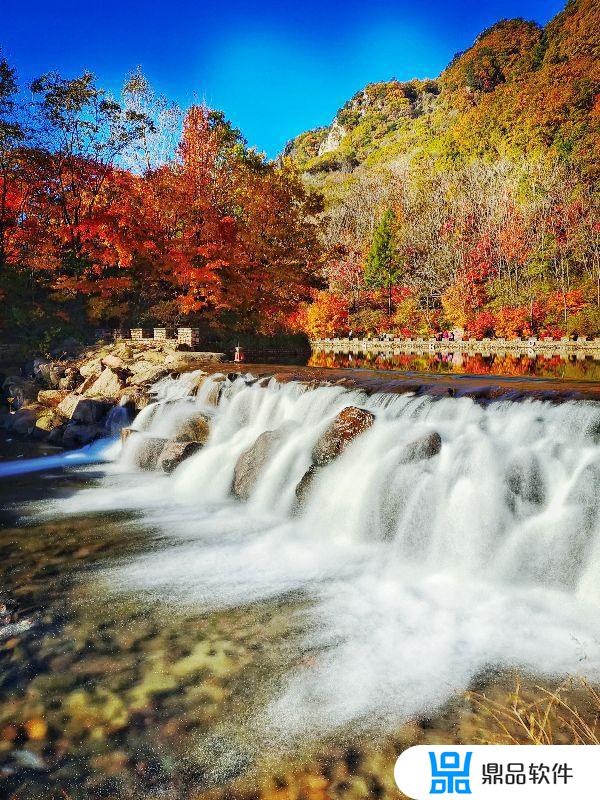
382, 266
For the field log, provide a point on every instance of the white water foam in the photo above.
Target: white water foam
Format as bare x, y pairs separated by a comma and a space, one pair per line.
420, 574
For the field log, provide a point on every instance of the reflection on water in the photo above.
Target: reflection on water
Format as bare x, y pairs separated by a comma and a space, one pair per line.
585, 368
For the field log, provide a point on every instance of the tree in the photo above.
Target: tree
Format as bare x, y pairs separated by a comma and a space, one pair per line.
382, 268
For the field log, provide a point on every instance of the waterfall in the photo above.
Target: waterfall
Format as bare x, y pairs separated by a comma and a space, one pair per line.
419, 573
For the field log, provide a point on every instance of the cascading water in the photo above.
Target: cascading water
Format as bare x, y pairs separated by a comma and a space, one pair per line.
417, 574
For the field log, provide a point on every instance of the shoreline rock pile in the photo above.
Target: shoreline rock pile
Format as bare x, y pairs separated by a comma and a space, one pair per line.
68, 402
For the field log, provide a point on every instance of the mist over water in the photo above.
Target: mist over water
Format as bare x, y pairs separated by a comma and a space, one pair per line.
414, 576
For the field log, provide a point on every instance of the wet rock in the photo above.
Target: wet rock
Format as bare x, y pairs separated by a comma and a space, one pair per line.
108, 384
174, 453
51, 397
303, 488
148, 451
424, 447
225, 760
134, 397
77, 435
194, 429
253, 461
348, 424
214, 394
126, 433
55, 437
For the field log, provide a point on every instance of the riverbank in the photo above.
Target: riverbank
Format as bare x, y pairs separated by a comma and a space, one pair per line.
74, 400
71, 402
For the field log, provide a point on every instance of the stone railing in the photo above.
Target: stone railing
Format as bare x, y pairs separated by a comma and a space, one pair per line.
391, 344
187, 336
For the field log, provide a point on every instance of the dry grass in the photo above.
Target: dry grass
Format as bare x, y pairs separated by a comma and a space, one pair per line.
569, 714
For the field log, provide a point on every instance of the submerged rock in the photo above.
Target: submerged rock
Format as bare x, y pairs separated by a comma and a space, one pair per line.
174, 453
425, 446
253, 461
348, 424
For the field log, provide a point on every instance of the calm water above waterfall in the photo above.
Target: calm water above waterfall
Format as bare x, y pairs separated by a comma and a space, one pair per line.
186, 641
541, 366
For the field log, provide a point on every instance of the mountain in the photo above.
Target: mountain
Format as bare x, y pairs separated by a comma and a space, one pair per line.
521, 89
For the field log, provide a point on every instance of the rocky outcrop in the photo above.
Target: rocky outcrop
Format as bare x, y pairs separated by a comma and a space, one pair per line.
253, 461
81, 388
348, 424
174, 453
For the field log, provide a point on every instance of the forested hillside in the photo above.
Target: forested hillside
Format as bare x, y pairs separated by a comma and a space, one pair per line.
469, 201
483, 184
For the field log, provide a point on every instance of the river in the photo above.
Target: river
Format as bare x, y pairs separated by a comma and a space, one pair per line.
190, 644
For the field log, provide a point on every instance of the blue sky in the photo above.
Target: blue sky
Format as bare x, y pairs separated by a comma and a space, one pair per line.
275, 69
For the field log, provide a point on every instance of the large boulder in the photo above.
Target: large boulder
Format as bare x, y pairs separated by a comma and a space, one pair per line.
90, 411
253, 461
194, 429
115, 363
87, 382
144, 373
67, 406
108, 384
424, 447
51, 397
147, 451
82, 409
93, 367
173, 453
77, 434
348, 424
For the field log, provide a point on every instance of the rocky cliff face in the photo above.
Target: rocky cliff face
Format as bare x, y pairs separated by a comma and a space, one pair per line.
519, 90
